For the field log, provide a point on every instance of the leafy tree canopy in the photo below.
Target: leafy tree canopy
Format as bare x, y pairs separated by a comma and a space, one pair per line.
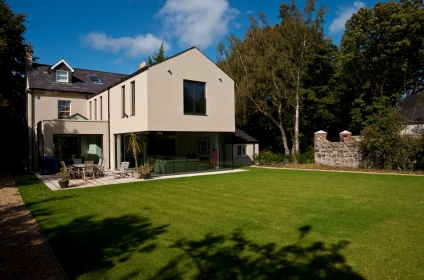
382, 59
12, 85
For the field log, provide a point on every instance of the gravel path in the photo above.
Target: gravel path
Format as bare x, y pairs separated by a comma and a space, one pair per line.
24, 252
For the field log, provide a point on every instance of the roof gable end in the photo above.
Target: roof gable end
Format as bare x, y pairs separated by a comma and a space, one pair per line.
60, 62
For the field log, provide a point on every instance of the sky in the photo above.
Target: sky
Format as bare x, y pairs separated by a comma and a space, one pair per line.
115, 36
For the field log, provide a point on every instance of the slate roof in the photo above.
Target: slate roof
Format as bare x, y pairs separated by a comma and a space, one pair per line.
413, 108
241, 137
39, 78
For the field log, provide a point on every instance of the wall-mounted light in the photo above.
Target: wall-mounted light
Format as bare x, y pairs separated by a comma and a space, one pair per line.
37, 96
219, 78
169, 70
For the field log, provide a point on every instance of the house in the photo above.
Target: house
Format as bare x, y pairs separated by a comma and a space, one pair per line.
245, 148
413, 114
182, 109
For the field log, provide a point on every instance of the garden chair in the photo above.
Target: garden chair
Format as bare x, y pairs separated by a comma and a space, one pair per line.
77, 161
89, 169
100, 167
122, 172
69, 170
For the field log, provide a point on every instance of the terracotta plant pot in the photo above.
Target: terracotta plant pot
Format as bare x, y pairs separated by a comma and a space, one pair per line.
137, 174
63, 184
146, 175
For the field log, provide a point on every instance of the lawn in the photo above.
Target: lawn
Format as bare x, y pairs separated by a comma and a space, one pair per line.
259, 224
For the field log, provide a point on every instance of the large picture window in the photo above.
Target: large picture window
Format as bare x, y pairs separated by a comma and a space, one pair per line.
64, 109
194, 98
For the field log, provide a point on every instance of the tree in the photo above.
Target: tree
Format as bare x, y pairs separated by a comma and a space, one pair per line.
270, 66
12, 94
134, 146
382, 59
157, 57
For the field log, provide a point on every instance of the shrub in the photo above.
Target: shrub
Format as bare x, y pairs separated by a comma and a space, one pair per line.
268, 158
384, 147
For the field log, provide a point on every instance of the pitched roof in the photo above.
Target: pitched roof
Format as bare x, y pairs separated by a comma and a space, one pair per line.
413, 108
64, 62
241, 137
39, 78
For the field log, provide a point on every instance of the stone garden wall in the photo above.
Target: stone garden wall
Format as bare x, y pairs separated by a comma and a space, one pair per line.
344, 153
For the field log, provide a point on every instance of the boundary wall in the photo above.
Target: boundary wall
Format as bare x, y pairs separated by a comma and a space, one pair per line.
345, 153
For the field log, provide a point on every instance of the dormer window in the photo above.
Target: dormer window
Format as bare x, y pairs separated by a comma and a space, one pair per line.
61, 76
96, 80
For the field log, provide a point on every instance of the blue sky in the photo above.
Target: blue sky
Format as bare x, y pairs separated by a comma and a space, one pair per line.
115, 36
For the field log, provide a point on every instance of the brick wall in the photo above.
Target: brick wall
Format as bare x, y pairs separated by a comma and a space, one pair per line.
344, 153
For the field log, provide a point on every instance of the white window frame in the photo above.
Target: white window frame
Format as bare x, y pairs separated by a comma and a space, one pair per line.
61, 73
58, 112
241, 150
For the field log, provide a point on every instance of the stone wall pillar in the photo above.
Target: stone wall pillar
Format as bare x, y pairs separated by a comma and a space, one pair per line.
320, 136
345, 136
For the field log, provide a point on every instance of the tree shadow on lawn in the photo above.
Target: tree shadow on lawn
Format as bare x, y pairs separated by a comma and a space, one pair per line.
235, 257
88, 245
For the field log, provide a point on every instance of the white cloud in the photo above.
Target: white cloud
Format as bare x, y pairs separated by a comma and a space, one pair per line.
133, 46
344, 13
196, 22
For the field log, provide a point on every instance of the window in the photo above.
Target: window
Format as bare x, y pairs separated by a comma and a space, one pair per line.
96, 80
90, 110
95, 109
241, 150
132, 98
123, 101
101, 108
61, 76
64, 109
194, 98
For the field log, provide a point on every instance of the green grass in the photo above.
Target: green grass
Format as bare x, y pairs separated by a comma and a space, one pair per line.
260, 224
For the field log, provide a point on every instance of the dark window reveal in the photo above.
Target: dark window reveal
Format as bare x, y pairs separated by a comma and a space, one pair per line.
194, 98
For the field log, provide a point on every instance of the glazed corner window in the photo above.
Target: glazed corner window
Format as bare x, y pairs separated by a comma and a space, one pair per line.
241, 150
61, 76
194, 98
64, 109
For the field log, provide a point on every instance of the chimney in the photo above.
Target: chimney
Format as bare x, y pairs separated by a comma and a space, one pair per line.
142, 64
28, 56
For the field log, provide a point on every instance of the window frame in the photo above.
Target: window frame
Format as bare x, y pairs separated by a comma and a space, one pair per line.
123, 102
133, 98
58, 112
95, 109
194, 98
101, 107
58, 74
241, 150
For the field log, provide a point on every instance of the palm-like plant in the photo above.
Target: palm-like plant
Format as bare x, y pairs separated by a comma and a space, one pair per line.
134, 146
60, 145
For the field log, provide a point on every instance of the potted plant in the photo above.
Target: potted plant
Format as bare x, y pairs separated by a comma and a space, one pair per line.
134, 146
63, 178
146, 168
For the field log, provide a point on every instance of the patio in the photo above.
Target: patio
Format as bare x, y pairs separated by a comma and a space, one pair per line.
51, 181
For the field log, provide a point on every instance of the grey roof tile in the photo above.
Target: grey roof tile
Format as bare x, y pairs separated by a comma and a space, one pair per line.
39, 78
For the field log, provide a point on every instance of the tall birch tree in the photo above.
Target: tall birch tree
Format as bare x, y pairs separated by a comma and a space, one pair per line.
269, 66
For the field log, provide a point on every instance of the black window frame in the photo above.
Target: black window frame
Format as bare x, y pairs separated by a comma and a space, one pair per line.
194, 108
